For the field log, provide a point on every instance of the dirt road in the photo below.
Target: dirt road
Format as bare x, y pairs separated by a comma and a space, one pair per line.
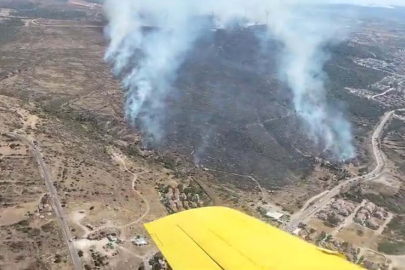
55, 202
263, 191
307, 213
143, 198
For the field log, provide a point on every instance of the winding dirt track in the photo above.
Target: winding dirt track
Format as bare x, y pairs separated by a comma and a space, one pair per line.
144, 258
135, 175
263, 191
138, 220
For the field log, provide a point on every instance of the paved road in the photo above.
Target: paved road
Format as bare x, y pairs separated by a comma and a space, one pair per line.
56, 205
384, 93
35, 22
320, 203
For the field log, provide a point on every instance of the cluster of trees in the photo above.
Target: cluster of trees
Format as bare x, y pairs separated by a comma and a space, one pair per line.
396, 227
392, 247
9, 29
48, 13
332, 220
16, 4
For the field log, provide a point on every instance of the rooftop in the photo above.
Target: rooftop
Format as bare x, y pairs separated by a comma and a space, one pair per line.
274, 214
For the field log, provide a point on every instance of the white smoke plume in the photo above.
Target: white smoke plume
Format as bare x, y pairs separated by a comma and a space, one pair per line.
160, 51
148, 59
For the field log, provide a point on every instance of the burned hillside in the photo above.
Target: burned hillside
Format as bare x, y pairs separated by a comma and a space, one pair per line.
232, 113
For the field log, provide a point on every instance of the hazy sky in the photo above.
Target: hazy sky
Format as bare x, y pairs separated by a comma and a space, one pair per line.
371, 2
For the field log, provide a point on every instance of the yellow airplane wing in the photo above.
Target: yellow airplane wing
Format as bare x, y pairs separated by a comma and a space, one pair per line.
220, 238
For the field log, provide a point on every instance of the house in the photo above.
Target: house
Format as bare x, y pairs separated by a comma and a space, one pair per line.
371, 265
274, 215
369, 207
163, 264
112, 237
336, 205
360, 217
323, 215
139, 241
381, 214
176, 194
297, 231
344, 212
372, 224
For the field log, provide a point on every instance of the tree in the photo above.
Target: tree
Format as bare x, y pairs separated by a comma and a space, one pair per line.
333, 220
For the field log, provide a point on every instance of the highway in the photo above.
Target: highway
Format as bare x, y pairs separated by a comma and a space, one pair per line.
306, 213
55, 202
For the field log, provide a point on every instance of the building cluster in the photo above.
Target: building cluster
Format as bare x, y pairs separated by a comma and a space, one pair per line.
179, 198
336, 212
387, 83
371, 216
44, 207
341, 247
388, 92
393, 98
360, 92
44, 204
378, 64
326, 241
374, 266
158, 262
5, 12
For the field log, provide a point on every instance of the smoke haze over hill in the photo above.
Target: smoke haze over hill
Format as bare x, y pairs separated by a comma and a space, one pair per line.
148, 60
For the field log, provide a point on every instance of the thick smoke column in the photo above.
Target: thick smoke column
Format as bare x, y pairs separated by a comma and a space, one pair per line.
304, 32
148, 60
148, 42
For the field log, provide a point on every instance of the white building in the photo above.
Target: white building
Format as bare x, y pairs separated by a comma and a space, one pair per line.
274, 215
297, 231
139, 241
112, 238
